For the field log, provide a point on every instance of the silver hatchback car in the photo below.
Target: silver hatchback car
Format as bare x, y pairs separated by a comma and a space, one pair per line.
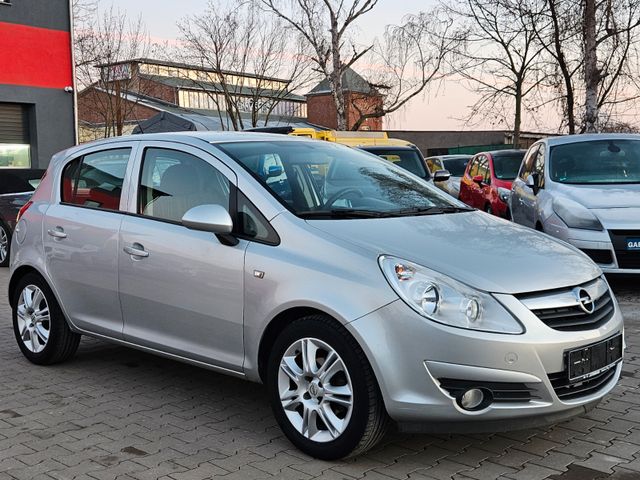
357, 292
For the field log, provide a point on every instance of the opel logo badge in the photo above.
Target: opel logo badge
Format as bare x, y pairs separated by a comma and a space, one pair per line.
313, 389
585, 301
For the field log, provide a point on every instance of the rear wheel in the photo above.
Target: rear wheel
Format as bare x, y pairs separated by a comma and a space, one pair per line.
5, 245
322, 390
40, 328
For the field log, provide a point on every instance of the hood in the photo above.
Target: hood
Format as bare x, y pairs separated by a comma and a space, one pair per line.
602, 196
475, 248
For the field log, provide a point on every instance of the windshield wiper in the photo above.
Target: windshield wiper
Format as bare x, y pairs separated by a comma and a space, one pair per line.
343, 213
430, 210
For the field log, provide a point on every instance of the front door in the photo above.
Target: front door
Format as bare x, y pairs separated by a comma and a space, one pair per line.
522, 196
81, 238
181, 290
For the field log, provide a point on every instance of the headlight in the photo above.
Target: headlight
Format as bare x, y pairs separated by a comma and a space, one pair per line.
575, 215
504, 194
445, 300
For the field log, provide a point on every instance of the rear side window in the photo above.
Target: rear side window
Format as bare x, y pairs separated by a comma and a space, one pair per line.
95, 180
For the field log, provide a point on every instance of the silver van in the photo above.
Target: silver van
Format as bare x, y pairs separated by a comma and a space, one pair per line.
585, 190
357, 292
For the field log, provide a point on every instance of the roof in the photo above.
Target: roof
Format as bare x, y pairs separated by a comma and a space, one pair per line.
187, 83
506, 151
193, 138
351, 82
590, 137
153, 61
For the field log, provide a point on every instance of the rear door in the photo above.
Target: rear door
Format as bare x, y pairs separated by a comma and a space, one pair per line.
81, 237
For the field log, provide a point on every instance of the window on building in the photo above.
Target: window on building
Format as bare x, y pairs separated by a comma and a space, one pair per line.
15, 149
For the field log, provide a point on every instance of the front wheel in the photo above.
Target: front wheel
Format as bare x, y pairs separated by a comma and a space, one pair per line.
5, 244
322, 390
39, 325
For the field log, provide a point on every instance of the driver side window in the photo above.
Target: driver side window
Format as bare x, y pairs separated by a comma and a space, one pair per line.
527, 165
172, 182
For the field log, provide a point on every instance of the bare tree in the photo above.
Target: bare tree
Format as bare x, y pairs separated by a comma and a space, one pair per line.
592, 48
501, 58
326, 26
407, 59
237, 38
101, 40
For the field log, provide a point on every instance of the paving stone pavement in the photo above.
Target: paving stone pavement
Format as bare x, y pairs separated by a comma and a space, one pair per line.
116, 413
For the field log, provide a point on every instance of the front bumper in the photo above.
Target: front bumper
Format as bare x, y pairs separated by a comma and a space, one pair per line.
410, 353
597, 244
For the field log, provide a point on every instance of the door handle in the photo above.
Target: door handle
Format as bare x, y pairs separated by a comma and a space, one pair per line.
57, 232
136, 250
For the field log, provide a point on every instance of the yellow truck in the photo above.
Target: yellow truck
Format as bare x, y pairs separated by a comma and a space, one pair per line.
350, 138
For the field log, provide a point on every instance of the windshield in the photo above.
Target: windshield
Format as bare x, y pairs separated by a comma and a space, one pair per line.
506, 166
599, 161
325, 180
408, 159
456, 166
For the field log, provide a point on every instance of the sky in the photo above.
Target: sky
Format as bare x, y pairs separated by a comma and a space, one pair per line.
443, 107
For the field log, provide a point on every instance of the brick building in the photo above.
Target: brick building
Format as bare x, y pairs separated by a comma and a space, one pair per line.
135, 90
359, 97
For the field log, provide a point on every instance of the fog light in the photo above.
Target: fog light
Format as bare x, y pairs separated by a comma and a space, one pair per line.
472, 399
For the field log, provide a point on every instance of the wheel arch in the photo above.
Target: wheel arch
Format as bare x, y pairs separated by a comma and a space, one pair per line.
19, 273
278, 324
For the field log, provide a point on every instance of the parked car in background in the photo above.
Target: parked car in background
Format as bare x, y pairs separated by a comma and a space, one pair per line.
16, 187
585, 189
486, 183
455, 165
408, 157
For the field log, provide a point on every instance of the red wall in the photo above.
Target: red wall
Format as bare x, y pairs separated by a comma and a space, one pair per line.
35, 57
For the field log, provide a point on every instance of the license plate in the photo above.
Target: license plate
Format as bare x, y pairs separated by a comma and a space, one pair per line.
633, 244
592, 359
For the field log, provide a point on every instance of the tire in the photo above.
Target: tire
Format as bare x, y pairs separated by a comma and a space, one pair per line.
32, 294
5, 245
489, 210
356, 428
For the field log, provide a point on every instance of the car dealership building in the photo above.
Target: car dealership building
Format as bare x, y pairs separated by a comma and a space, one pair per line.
37, 115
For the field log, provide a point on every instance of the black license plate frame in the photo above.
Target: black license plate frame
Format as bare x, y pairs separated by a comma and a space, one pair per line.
590, 360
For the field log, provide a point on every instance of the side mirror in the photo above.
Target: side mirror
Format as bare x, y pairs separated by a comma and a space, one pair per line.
479, 179
441, 176
208, 218
533, 182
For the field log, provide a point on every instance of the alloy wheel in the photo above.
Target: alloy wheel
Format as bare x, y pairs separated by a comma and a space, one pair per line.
33, 318
4, 244
315, 390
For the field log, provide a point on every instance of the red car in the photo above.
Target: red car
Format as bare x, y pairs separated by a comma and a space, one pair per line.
486, 183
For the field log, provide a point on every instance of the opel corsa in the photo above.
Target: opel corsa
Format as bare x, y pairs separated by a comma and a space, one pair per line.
357, 292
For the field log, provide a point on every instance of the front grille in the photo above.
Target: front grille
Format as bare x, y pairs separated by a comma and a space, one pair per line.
501, 391
626, 258
565, 390
603, 257
574, 318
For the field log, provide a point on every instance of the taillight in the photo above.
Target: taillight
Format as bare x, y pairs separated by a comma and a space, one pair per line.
23, 209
